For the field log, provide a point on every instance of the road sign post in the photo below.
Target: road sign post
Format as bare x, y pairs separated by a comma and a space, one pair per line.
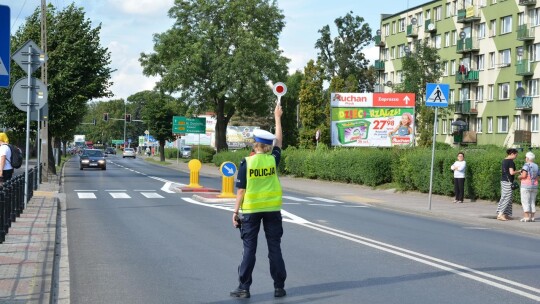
227, 169
436, 96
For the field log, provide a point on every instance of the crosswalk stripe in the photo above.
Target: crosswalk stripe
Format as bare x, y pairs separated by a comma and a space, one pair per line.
119, 195
325, 200
86, 195
151, 195
292, 198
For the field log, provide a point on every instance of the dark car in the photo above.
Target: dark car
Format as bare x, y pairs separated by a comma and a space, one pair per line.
110, 150
92, 158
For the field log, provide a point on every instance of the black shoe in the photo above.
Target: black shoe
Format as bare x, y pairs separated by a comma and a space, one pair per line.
279, 292
240, 293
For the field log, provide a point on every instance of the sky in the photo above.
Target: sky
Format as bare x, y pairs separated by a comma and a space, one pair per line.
128, 27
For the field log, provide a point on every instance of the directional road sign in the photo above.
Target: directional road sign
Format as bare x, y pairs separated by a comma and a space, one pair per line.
4, 45
437, 94
38, 94
43, 113
37, 57
228, 169
183, 125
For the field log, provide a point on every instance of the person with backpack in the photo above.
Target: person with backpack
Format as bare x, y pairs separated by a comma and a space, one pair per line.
5, 158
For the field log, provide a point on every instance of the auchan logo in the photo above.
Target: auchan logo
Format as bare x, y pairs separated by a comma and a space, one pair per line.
351, 99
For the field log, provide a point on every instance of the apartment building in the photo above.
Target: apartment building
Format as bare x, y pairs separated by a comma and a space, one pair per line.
489, 51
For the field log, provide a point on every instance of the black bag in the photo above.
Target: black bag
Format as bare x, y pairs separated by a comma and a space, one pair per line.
16, 156
514, 186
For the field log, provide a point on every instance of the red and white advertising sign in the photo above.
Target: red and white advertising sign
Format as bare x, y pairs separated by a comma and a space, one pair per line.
394, 100
353, 100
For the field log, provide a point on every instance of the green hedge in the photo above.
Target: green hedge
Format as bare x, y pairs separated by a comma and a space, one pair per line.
407, 169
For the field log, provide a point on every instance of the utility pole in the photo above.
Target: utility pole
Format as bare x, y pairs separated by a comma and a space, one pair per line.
44, 130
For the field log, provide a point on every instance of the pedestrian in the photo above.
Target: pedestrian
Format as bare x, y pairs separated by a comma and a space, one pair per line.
5, 158
504, 208
259, 195
529, 187
459, 177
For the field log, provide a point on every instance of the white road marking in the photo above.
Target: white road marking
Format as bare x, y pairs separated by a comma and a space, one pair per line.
136, 190
292, 198
324, 205
355, 206
291, 203
151, 195
113, 190
477, 228
119, 195
480, 276
166, 187
325, 200
85, 190
86, 195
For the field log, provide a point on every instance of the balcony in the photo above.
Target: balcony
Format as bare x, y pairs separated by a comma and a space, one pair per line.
524, 103
525, 32
379, 65
468, 77
378, 41
469, 44
429, 26
522, 137
468, 15
412, 30
524, 67
527, 2
467, 107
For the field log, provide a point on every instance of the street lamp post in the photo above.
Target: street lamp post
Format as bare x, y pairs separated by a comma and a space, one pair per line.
125, 123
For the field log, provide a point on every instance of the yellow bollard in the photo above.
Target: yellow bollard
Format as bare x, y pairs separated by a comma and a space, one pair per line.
227, 169
194, 166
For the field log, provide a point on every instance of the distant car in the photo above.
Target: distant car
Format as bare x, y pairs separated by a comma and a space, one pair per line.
91, 158
110, 150
186, 152
128, 152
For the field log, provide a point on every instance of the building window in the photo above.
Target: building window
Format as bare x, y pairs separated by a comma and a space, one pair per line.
394, 28
517, 122
393, 52
504, 58
399, 75
480, 62
502, 124
535, 16
506, 25
452, 96
490, 124
492, 60
438, 13
490, 92
419, 18
532, 87
533, 122
479, 125
445, 68
448, 10
444, 127
454, 37
447, 39
480, 93
481, 30
438, 41
401, 25
452, 67
386, 28
521, 18
504, 91
534, 52
492, 28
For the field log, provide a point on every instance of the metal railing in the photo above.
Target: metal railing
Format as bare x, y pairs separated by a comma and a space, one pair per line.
12, 199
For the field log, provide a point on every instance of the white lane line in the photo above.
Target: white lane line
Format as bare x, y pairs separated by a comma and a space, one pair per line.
151, 195
325, 200
292, 198
85, 195
460, 270
434, 262
166, 187
86, 190
356, 206
119, 195
324, 205
291, 203
477, 228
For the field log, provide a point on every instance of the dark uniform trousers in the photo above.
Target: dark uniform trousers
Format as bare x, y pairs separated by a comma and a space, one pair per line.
273, 229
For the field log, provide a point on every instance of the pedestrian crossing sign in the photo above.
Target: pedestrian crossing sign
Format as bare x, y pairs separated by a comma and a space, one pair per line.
437, 94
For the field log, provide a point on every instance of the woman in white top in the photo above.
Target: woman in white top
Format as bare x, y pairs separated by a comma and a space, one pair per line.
6, 170
529, 187
459, 177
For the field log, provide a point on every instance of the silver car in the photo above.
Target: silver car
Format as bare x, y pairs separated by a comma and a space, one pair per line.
128, 152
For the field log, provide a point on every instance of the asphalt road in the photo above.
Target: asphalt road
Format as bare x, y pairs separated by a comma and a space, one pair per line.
133, 241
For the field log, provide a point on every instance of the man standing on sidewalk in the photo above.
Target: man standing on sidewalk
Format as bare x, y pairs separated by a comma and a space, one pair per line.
259, 196
6, 170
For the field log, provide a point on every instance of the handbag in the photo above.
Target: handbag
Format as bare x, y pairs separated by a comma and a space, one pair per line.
514, 184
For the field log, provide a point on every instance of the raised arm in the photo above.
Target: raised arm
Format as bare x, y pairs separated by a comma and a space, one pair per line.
278, 111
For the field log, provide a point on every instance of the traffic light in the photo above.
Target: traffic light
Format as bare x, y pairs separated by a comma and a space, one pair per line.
105, 116
128, 117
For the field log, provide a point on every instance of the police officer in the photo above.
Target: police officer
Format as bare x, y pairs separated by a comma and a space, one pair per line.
259, 196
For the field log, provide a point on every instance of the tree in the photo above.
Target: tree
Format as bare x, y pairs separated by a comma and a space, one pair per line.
78, 70
220, 56
157, 112
342, 56
419, 67
314, 107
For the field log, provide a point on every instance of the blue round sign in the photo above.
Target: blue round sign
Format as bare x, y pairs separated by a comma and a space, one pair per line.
228, 169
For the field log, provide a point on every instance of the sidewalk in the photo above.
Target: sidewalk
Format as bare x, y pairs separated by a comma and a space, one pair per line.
27, 255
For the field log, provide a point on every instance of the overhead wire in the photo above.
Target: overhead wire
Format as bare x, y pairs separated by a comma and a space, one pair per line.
18, 15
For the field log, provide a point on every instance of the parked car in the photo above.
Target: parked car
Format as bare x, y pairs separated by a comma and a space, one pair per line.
186, 152
91, 158
110, 150
128, 152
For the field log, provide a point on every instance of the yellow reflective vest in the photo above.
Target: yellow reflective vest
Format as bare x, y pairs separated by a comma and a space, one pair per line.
263, 190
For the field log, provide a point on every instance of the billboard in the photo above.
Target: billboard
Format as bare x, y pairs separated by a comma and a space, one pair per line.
372, 119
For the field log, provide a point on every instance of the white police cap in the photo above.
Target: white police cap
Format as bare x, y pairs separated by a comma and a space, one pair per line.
263, 136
